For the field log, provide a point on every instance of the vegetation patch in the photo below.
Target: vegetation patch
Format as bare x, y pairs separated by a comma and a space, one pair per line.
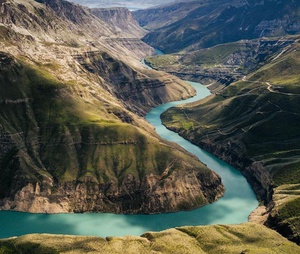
254, 119
244, 238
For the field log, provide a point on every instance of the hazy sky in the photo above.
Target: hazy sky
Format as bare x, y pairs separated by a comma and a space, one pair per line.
130, 4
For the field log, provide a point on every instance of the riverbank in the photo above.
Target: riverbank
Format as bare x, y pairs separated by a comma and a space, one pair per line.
256, 131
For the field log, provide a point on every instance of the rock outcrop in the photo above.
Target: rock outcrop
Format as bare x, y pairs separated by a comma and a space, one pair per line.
152, 194
121, 19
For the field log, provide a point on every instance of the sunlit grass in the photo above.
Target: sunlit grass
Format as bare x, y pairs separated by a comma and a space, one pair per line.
245, 238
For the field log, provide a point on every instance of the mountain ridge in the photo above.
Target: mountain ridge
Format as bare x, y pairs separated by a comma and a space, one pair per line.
251, 68
216, 22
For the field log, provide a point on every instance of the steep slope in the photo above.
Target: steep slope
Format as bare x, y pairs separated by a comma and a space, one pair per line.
70, 140
64, 154
216, 22
245, 238
254, 125
120, 19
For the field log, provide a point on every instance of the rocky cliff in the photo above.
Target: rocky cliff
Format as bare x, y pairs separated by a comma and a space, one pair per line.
72, 91
138, 90
121, 19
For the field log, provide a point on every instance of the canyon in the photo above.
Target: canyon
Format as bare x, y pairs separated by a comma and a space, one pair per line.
73, 93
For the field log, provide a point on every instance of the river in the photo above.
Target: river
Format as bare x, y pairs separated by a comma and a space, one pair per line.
234, 207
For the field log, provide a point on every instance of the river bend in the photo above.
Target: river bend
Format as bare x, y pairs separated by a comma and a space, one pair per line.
234, 207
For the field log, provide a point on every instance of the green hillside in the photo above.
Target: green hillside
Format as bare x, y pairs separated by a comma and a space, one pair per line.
58, 141
245, 238
254, 125
220, 65
72, 139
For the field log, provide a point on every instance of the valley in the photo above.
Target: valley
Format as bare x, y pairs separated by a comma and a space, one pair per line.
73, 137
251, 121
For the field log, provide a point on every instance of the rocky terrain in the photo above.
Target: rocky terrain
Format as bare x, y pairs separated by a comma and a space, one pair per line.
72, 138
121, 19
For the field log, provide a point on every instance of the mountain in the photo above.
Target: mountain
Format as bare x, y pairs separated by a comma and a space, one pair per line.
164, 15
215, 22
72, 139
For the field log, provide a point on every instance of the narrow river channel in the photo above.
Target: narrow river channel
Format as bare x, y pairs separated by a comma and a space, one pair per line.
235, 207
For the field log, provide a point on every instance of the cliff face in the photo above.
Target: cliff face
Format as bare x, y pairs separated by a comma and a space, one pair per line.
139, 91
121, 20
71, 140
151, 194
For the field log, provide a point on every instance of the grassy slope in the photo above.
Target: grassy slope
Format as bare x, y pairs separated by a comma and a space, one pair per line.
259, 117
216, 55
223, 64
47, 119
245, 238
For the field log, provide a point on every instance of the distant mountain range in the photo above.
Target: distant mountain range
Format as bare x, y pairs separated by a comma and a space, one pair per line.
205, 23
130, 4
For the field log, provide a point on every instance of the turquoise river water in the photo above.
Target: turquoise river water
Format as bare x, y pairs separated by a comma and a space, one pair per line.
234, 207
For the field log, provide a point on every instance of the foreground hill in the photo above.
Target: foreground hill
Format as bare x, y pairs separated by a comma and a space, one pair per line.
254, 125
205, 23
72, 91
245, 238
